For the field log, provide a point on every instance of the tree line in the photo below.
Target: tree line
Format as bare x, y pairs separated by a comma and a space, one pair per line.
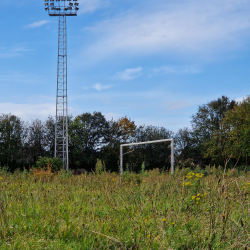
219, 134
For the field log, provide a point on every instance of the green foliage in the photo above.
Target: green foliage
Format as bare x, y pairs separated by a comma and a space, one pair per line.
232, 141
88, 135
11, 139
100, 167
143, 168
54, 163
153, 155
220, 135
207, 122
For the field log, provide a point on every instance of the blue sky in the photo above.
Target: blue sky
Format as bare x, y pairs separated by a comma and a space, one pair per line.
154, 61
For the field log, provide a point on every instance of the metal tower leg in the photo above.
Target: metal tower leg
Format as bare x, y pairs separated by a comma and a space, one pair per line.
61, 126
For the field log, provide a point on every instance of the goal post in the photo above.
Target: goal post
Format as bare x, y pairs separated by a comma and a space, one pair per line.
147, 142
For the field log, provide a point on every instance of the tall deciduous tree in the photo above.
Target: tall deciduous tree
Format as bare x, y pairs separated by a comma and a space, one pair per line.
128, 127
35, 144
11, 138
238, 135
207, 121
120, 131
88, 136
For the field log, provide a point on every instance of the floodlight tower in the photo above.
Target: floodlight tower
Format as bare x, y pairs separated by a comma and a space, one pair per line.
62, 8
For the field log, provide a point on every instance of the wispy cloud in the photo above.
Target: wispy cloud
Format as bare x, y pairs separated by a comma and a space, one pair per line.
91, 5
31, 111
129, 74
10, 52
101, 87
175, 105
177, 70
18, 77
191, 27
36, 24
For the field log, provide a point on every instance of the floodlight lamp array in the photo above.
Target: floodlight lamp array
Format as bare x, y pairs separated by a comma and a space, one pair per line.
62, 7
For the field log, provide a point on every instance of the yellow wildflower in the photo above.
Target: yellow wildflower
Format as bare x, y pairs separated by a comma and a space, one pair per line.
187, 183
163, 220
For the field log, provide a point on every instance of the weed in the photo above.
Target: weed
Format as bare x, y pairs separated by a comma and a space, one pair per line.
47, 210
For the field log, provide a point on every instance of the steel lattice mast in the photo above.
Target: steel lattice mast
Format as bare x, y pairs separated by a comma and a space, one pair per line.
61, 8
61, 126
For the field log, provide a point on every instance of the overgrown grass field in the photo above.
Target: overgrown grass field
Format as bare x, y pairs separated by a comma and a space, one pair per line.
199, 209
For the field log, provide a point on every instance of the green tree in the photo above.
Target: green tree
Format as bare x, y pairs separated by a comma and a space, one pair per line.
49, 136
157, 155
35, 143
185, 146
120, 131
11, 138
206, 122
237, 121
88, 136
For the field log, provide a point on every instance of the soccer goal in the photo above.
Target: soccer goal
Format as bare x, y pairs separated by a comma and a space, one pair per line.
147, 142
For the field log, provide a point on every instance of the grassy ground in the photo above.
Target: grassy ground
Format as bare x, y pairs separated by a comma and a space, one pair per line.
151, 211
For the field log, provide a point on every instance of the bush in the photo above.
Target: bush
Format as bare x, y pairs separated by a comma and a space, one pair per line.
100, 167
55, 164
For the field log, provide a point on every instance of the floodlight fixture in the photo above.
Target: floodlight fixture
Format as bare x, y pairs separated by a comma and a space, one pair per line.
62, 9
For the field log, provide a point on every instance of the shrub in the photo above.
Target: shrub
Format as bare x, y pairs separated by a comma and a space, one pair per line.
55, 164
100, 167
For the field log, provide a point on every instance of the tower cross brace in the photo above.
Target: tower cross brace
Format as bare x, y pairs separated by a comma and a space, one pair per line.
61, 126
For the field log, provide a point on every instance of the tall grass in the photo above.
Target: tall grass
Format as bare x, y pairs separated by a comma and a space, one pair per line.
187, 210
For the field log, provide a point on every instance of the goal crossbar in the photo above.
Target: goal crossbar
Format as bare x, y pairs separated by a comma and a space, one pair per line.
147, 142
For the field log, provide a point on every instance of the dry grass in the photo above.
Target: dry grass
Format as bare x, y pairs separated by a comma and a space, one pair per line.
150, 211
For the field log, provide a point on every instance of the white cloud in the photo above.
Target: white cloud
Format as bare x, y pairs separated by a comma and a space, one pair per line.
174, 105
29, 112
177, 70
240, 99
90, 5
18, 77
10, 52
111, 115
129, 74
101, 87
37, 24
188, 27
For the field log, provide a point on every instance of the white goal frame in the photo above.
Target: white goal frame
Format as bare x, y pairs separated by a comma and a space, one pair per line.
147, 142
